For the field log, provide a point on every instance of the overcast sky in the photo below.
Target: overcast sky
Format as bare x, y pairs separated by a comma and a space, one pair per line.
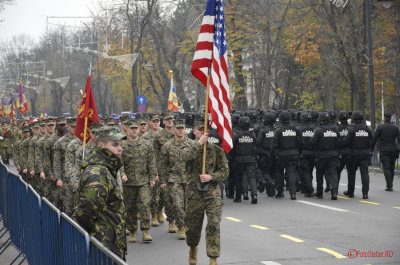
29, 16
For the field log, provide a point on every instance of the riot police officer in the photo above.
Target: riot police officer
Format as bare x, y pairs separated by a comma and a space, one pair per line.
265, 137
286, 145
244, 157
344, 150
231, 177
306, 164
325, 142
360, 142
387, 134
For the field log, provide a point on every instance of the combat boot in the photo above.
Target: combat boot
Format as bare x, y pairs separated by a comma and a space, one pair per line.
132, 237
146, 235
171, 227
154, 221
181, 233
193, 255
160, 216
213, 261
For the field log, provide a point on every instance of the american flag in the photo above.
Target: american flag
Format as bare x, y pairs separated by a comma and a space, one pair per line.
210, 58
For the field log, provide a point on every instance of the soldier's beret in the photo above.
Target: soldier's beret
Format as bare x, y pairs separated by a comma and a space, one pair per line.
110, 133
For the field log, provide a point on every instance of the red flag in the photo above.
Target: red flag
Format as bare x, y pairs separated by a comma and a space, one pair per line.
2, 114
22, 104
210, 58
87, 110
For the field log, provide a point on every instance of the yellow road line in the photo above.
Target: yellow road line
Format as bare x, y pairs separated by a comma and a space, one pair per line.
341, 197
233, 219
333, 253
397, 208
292, 238
374, 203
259, 227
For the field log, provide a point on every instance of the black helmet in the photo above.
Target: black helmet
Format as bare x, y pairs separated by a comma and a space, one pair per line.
235, 118
284, 116
268, 117
324, 116
357, 115
314, 115
252, 114
332, 115
244, 122
343, 116
305, 116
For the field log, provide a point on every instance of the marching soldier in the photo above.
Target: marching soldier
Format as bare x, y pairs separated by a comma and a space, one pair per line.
138, 175
71, 172
33, 167
24, 152
5, 143
173, 177
100, 208
203, 194
17, 149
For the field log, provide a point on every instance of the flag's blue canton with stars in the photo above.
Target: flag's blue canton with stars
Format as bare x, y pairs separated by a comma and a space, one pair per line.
220, 34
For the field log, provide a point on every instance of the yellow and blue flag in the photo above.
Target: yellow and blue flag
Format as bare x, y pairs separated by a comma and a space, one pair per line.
22, 104
173, 98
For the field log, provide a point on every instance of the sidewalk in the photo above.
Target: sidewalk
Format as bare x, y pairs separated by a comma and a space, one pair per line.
11, 252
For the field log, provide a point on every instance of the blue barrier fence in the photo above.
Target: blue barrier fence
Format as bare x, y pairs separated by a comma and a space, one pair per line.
40, 232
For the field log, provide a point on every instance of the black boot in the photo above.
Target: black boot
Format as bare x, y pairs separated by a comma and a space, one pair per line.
237, 199
279, 195
293, 196
334, 196
365, 196
254, 199
245, 196
348, 194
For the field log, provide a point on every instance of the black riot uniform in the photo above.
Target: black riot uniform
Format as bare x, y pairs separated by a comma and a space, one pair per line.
344, 150
387, 134
325, 143
265, 138
360, 142
306, 165
244, 157
286, 145
231, 177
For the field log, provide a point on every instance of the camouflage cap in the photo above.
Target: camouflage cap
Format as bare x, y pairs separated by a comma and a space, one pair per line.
35, 124
154, 117
199, 123
110, 133
167, 114
125, 119
94, 126
25, 129
179, 123
142, 121
71, 121
133, 124
50, 121
110, 122
61, 121
42, 122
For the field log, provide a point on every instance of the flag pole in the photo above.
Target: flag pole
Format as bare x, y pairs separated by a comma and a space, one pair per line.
206, 124
84, 137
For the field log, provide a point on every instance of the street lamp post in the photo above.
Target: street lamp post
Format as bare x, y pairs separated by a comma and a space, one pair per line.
370, 63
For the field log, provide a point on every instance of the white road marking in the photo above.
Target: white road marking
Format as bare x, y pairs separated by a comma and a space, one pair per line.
270, 263
324, 206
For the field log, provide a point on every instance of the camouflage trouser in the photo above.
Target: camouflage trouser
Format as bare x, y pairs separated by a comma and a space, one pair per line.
35, 182
67, 197
5, 153
47, 185
198, 203
177, 203
56, 196
154, 198
137, 199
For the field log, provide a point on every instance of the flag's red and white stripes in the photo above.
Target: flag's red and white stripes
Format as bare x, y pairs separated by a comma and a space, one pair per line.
207, 60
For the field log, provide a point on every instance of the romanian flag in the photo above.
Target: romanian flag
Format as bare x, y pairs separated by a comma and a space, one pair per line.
87, 111
172, 98
2, 114
10, 108
22, 104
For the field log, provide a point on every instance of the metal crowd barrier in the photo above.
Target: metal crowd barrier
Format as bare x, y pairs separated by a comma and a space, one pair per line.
41, 233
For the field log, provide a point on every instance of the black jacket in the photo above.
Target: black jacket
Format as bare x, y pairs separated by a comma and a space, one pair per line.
286, 141
343, 129
325, 141
244, 147
387, 134
359, 140
265, 138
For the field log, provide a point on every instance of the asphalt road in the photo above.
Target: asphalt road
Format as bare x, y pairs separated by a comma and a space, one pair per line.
306, 231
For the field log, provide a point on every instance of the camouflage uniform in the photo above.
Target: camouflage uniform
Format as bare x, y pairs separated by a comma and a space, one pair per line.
31, 163
23, 158
5, 145
48, 152
16, 152
200, 202
139, 167
39, 158
160, 139
99, 205
173, 173
78, 160
59, 150
70, 173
